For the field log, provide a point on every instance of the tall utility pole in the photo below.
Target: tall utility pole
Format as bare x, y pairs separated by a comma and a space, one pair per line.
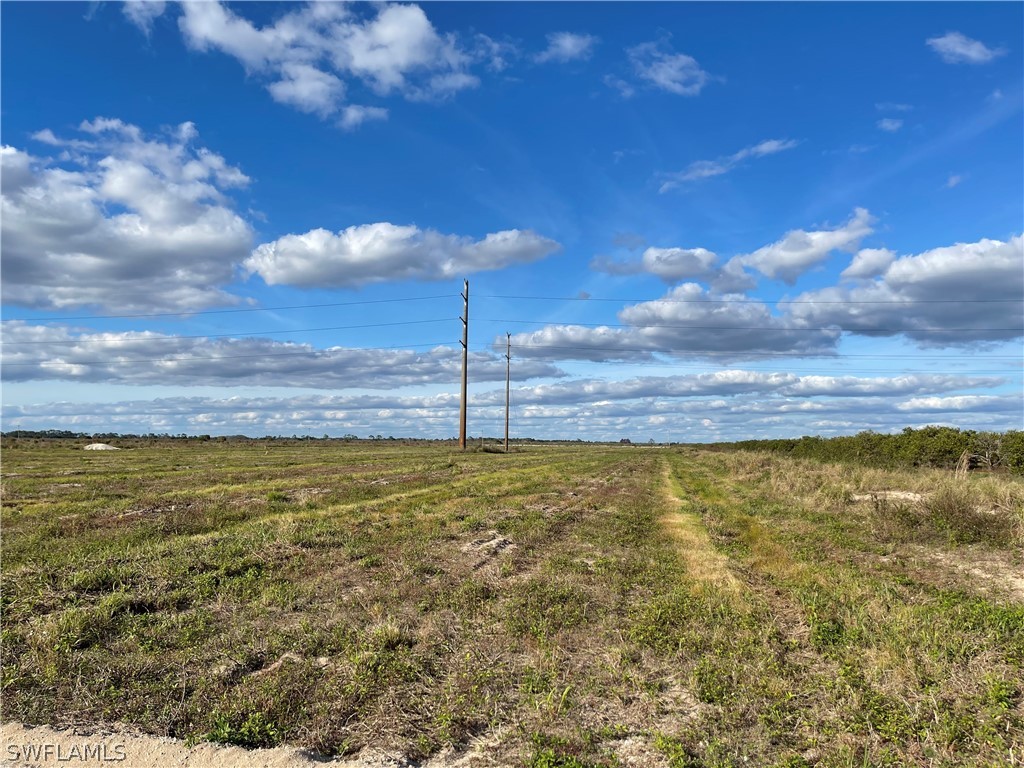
508, 379
465, 363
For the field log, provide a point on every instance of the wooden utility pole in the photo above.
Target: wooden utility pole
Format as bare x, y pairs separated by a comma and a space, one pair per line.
508, 379
465, 363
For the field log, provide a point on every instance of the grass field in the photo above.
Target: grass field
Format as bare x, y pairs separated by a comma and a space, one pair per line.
563, 605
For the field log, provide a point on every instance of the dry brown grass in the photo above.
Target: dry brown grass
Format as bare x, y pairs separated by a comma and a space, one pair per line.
705, 565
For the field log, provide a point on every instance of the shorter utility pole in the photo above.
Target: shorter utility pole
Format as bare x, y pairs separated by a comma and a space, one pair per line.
465, 363
508, 380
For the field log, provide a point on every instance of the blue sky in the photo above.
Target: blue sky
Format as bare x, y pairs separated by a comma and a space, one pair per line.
698, 221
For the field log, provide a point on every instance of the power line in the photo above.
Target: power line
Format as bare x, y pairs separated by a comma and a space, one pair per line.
856, 372
228, 311
752, 361
756, 327
252, 335
701, 353
193, 313
710, 353
755, 301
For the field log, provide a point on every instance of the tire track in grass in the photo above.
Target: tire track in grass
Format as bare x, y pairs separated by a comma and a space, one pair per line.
704, 563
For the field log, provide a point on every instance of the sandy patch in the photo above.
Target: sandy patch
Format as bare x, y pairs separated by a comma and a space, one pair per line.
638, 751
988, 570
485, 548
43, 746
888, 496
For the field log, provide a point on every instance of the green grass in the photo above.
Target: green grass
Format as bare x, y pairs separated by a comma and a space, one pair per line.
336, 596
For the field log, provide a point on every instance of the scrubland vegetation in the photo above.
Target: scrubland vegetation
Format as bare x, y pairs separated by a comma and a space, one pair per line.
939, 447
559, 606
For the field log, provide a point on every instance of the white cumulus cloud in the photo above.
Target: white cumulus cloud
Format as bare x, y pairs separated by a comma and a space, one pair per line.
670, 264
307, 88
689, 321
868, 262
373, 253
960, 294
128, 213
307, 55
799, 250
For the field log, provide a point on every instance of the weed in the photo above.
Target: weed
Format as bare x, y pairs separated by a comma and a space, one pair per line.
542, 608
1000, 692
711, 682
676, 752
252, 731
549, 758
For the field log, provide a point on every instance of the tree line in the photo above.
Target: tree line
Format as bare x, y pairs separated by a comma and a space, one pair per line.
941, 447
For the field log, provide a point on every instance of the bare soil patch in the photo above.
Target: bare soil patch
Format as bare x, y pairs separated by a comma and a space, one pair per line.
888, 496
486, 547
36, 746
988, 571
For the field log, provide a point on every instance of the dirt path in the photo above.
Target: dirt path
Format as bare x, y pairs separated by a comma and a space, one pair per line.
703, 562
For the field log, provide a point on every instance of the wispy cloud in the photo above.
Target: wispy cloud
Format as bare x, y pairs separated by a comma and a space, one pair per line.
658, 65
142, 13
567, 46
891, 106
706, 169
625, 89
354, 115
953, 180
956, 48
890, 124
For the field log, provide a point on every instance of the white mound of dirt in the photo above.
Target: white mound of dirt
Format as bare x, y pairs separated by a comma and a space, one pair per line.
100, 447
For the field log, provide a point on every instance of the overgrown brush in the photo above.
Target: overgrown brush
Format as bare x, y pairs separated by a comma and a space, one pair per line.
951, 513
939, 447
